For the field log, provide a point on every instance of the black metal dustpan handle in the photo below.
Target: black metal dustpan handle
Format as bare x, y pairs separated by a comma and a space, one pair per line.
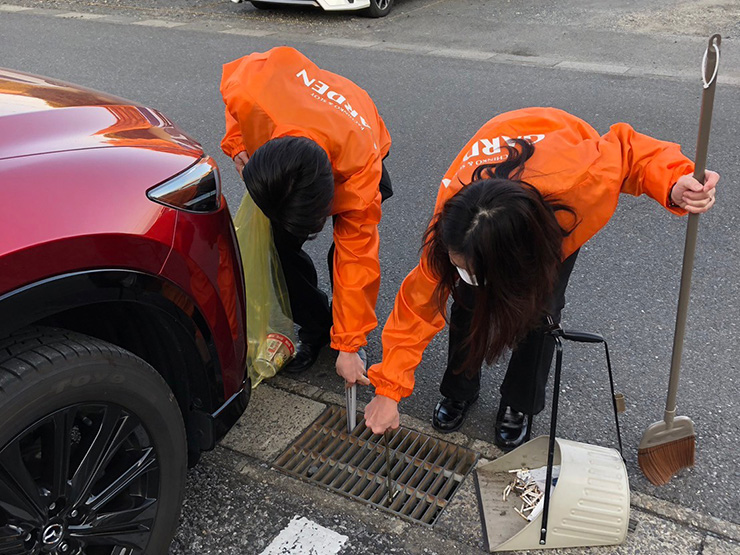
559, 334
553, 431
588, 337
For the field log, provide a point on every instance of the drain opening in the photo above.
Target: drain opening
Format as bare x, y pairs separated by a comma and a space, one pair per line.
426, 471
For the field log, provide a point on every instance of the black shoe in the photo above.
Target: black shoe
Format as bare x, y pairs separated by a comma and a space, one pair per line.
305, 355
449, 414
511, 428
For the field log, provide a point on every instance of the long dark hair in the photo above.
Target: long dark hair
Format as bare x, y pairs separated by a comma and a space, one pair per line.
290, 179
508, 234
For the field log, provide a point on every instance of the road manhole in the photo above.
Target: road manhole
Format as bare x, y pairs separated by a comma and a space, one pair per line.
425, 471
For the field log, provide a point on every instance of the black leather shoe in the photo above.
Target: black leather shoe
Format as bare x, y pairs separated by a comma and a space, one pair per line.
511, 428
305, 355
449, 414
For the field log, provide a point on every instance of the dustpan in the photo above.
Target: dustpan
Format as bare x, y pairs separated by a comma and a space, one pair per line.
590, 503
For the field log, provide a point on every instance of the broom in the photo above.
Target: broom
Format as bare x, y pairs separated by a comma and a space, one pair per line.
669, 446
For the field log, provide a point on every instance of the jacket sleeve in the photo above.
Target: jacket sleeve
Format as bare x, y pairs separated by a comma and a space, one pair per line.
356, 276
232, 143
649, 166
412, 324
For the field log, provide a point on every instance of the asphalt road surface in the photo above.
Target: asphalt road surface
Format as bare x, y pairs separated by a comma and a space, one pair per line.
625, 284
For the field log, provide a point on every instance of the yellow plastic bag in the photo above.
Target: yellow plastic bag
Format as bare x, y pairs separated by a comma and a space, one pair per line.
270, 333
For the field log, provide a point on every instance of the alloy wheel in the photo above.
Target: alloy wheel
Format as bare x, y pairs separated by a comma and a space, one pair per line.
83, 479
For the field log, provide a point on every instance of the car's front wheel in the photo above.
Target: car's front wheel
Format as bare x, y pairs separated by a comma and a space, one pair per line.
92, 449
378, 8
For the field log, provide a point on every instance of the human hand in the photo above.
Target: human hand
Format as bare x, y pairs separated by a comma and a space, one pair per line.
381, 414
240, 160
351, 367
692, 196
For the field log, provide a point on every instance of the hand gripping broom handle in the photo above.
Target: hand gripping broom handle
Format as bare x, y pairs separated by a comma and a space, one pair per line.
710, 66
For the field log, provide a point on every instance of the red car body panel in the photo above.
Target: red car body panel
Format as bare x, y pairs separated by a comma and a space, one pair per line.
217, 286
75, 167
84, 209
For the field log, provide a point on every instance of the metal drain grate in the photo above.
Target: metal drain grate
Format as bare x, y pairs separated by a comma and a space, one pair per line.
426, 472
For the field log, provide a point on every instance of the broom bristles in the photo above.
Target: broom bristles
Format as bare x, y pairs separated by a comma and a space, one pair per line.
661, 462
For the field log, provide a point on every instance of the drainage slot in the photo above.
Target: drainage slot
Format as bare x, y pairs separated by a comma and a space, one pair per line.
426, 471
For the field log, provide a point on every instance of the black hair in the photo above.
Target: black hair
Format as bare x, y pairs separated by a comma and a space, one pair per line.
290, 179
510, 238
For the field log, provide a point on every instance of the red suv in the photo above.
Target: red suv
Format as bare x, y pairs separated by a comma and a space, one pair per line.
122, 325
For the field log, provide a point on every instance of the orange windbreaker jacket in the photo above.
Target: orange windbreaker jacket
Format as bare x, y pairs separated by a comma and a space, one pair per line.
571, 162
282, 93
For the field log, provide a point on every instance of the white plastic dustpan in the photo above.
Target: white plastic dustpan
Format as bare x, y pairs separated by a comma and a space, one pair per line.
588, 506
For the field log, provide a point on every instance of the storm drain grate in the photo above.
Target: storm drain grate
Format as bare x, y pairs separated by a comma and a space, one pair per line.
426, 471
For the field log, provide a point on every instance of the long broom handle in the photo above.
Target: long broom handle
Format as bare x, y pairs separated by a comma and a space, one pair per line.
709, 78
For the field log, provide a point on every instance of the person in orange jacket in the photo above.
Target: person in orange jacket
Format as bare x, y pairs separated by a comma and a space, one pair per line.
526, 192
310, 144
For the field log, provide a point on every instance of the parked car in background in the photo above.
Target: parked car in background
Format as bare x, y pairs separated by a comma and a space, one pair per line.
368, 8
122, 325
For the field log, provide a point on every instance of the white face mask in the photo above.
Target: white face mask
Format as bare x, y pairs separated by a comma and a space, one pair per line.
466, 277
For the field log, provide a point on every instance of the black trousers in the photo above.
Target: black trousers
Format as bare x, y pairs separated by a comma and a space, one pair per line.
523, 388
309, 304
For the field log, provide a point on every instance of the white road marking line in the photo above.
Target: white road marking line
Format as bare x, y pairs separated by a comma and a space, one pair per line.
462, 54
14, 8
402, 47
247, 32
588, 66
351, 43
729, 80
305, 537
159, 23
79, 15
537, 61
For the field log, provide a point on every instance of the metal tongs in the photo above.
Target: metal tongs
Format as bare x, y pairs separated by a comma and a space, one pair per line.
392, 492
350, 397
350, 394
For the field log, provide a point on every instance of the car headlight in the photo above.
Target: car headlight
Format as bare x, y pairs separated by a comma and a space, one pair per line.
197, 189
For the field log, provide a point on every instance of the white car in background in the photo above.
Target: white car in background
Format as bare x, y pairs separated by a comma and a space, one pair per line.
368, 8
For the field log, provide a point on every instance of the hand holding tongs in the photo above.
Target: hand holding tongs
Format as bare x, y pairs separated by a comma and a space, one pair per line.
350, 396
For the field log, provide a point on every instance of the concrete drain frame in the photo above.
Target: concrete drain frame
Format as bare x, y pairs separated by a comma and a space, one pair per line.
426, 471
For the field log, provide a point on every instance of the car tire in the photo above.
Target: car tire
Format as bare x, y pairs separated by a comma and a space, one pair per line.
92, 448
378, 8
263, 5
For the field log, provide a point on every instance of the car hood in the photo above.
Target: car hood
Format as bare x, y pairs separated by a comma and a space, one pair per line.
40, 115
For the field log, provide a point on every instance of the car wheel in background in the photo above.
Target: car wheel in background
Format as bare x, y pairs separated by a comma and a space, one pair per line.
92, 448
378, 8
263, 5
